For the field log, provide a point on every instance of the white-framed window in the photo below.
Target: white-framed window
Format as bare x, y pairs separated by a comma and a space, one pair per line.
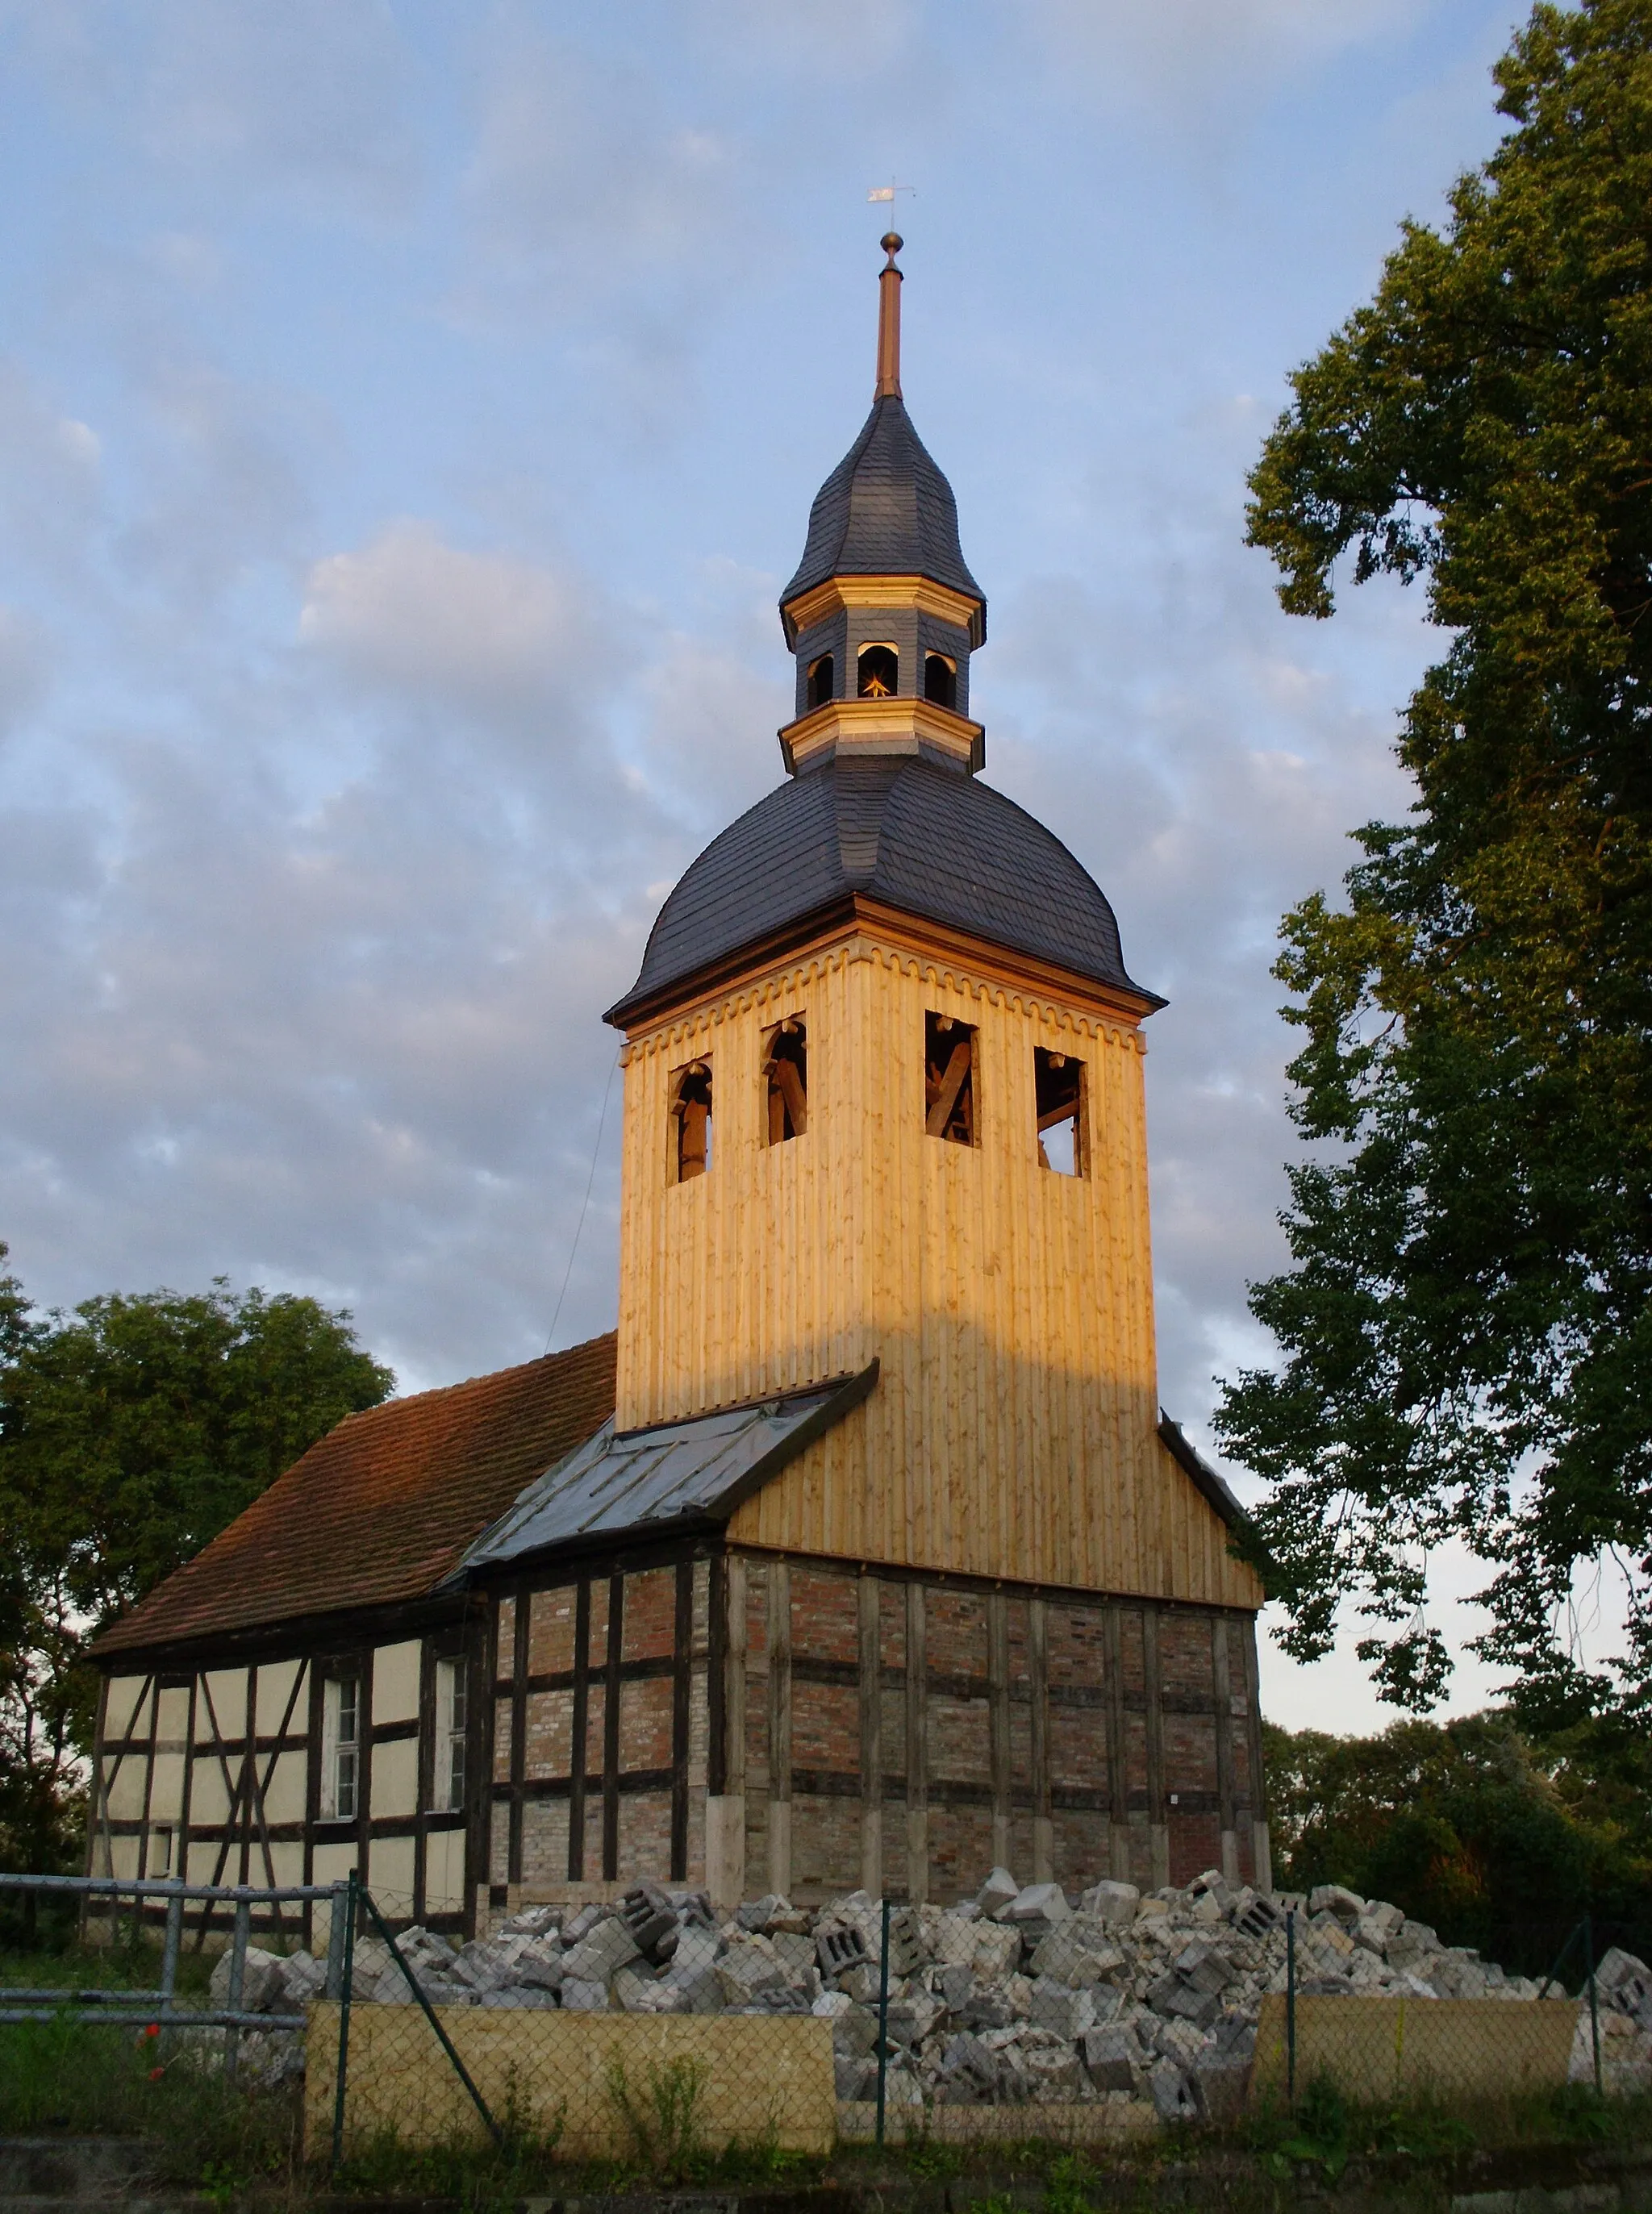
449, 1776
341, 1747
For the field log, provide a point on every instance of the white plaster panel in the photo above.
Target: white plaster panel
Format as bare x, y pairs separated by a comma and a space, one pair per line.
390, 1874
444, 1872
284, 1794
333, 1863
209, 1800
275, 1685
125, 1797
166, 1798
124, 1692
396, 1777
174, 1721
224, 1694
395, 1682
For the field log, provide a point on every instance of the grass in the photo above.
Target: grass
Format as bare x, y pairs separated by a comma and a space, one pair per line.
208, 2128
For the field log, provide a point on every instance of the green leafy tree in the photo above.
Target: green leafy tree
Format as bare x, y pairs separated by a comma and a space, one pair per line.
132, 1431
1467, 1327
1469, 1827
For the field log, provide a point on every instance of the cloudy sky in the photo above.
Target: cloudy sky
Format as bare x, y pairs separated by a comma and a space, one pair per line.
409, 411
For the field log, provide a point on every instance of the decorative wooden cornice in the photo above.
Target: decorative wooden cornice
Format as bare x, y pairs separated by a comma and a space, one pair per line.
930, 598
859, 928
845, 729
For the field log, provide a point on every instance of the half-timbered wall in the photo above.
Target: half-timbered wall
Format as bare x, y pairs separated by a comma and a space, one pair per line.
755, 1723
220, 1775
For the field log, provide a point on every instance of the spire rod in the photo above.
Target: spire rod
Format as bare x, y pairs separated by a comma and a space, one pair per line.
888, 319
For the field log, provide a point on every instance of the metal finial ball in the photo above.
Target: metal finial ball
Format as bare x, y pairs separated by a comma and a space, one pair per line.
891, 241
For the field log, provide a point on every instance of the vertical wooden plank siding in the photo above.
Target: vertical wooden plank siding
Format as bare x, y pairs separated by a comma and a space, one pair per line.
917, 1748
872, 1739
779, 1728
1014, 1431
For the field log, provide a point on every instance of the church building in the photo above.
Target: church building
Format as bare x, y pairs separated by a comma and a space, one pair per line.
861, 1553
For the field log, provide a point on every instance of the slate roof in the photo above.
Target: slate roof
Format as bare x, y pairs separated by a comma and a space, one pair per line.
924, 838
646, 1481
885, 510
382, 1509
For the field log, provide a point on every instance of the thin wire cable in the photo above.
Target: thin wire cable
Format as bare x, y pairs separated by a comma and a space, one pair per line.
567, 1274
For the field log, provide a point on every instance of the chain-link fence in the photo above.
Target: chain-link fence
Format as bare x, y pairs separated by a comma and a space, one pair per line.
615, 2026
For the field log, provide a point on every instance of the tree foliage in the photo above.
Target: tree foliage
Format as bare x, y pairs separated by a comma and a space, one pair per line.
1471, 1827
132, 1431
1467, 1326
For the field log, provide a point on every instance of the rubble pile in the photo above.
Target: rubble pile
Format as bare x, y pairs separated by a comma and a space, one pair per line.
1020, 1994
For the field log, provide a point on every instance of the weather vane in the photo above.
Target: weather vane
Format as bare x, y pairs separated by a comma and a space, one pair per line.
886, 192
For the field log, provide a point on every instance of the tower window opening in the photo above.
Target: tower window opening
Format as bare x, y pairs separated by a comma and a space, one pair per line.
819, 689
949, 1079
1058, 1084
785, 1071
878, 672
940, 680
691, 1112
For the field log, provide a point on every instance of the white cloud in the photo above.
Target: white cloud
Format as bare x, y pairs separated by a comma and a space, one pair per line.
484, 632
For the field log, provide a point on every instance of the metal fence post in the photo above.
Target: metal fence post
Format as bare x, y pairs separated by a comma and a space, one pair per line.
347, 1970
883, 2023
1290, 2005
1594, 2004
338, 1921
242, 1930
172, 1947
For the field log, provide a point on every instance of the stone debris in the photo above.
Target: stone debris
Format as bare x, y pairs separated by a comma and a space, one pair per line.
1020, 1995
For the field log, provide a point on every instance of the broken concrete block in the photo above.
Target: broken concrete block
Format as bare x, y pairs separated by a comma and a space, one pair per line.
1625, 1979
608, 1947
748, 1966
698, 1986
585, 1921
303, 1979
540, 1966
1038, 1902
579, 1995
262, 1980
1057, 2006
1114, 1903
1001, 1890
532, 1922
650, 1917
861, 1983
1202, 1967
838, 1947
796, 1954
1258, 1916
953, 1983
970, 2070
997, 1950
1336, 1899
1054, 2074
1111, 2058
1171, 2094
856, 2079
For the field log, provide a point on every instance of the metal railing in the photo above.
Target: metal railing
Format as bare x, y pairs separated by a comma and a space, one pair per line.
81, 2004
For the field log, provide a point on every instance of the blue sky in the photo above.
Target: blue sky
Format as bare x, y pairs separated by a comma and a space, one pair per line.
408, 413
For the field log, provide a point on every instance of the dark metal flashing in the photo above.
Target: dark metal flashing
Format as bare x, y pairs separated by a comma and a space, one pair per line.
673, 1478
1204, 1478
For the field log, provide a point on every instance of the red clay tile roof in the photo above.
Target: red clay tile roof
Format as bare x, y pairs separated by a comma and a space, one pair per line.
381, 1509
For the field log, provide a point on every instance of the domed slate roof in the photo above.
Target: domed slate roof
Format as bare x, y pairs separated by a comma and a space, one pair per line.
885, 510
902, 829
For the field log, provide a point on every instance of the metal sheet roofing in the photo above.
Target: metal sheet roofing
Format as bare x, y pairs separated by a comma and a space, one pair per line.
928, 840
885, 510
697, 1470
